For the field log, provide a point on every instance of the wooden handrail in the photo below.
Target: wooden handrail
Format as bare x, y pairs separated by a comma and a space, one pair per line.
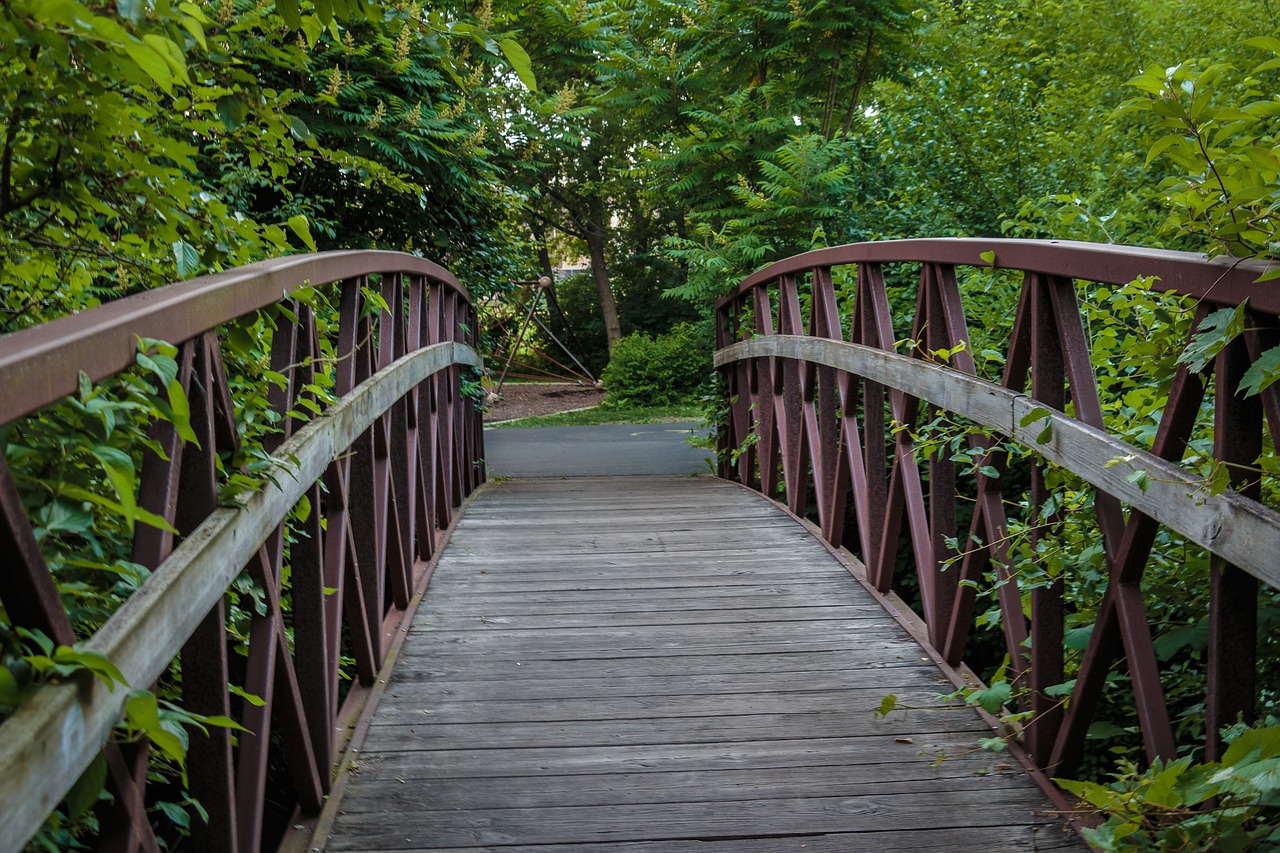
382, 470
1229, 525
1222, 280
42, 364
823, 408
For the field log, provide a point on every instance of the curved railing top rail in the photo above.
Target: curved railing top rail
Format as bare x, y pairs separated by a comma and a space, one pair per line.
1223, 280
42, 364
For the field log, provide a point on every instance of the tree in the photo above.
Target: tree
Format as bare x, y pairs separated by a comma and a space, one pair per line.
759, 107
574, 153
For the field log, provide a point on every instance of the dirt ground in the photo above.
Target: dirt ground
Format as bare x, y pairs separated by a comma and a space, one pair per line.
541, 398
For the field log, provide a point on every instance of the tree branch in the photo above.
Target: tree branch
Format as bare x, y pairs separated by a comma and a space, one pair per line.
863, 70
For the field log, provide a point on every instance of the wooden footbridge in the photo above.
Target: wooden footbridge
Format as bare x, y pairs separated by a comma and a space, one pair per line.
616, 663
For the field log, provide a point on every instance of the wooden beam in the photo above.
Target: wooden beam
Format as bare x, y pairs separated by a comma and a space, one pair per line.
1230, 525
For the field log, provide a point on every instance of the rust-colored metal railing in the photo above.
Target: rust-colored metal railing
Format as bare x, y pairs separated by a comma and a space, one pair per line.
829, 418
382, 468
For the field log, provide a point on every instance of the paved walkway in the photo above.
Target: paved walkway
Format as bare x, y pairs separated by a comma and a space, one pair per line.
589, 451
645, 664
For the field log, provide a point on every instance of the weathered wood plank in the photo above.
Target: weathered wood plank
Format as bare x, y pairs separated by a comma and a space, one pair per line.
692, 672
468, 760
1030, 839
900, 814
671, 683
675, 786
710, 594
639, 617
857, 706
671, 730
659, 666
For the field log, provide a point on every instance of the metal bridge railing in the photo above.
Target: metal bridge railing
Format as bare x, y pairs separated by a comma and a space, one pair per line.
381, 469
824, 407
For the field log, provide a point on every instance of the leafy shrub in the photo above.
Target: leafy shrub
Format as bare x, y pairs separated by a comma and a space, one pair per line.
658, 371
1218, 806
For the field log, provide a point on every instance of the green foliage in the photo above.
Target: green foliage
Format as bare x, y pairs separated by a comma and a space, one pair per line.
798, 195
658, 371
1231, 805
1219, 131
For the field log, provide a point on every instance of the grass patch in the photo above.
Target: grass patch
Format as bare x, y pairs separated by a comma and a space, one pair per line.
606, 413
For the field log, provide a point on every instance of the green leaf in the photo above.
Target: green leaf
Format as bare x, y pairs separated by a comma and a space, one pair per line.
993, 698
1215, 332
220, 721
176, 814
1078, 638
131, 10
1139, 478
231, 110
11, 692
142, 711
299, 226
1266, 741
989, 257
288, 10
1263, 373
132, 516
1162, 145
886, 706
520, 62
1034, 415
299, 129
120, 473
180, 413
252, 698
1268, 43
187, 257
95, 662
993, 744
151, 63
88, 788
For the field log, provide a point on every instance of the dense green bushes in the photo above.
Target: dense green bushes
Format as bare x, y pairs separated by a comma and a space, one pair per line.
658, 371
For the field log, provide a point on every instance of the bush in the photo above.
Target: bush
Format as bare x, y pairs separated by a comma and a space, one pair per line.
659, 371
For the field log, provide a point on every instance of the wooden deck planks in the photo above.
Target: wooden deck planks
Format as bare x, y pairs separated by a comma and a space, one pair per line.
667, 664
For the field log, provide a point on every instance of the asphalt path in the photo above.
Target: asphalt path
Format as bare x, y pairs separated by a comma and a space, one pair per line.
593, 451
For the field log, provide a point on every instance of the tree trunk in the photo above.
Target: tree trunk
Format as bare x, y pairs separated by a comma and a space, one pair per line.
544, 255
600, 272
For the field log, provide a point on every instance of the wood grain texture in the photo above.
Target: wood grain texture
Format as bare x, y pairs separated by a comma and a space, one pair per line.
667, 664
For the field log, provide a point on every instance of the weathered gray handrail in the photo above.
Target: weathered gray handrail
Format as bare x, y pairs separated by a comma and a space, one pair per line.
1229, 525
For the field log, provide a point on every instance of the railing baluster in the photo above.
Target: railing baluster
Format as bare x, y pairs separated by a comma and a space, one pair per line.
204, 657
1233, 594
791, 426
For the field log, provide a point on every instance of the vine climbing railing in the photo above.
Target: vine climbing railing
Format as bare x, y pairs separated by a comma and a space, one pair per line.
830, 408
375, 445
